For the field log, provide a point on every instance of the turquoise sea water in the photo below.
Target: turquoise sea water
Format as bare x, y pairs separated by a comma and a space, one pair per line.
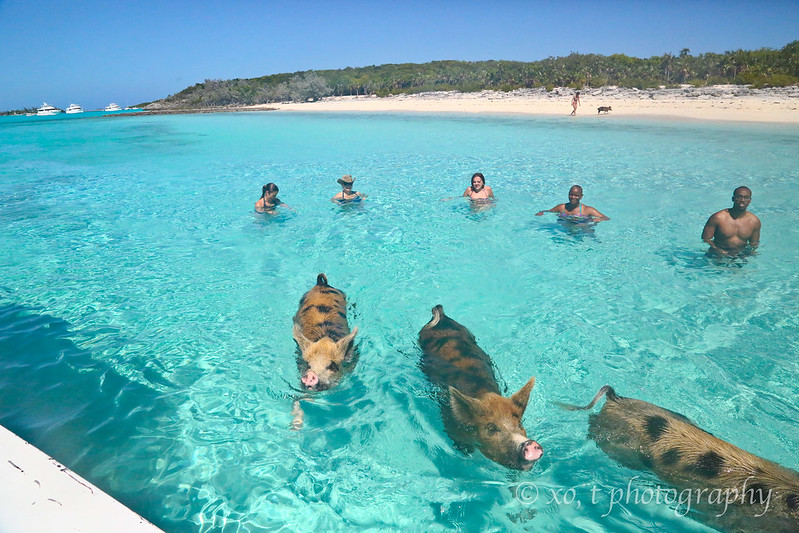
145, 309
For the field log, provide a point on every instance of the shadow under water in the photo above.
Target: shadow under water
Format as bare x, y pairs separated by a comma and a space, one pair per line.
477, 210
563, 230
81, 412
703, 260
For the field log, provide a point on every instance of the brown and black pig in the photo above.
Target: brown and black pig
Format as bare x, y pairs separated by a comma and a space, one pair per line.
474, 412
323, 336
732, 488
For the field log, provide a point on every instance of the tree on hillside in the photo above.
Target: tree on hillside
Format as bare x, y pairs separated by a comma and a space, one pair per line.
764, 67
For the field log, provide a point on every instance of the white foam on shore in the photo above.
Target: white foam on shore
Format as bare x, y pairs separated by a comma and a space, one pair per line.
39, 494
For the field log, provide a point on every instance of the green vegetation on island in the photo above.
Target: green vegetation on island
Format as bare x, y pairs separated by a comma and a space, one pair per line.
759, 68
765, 67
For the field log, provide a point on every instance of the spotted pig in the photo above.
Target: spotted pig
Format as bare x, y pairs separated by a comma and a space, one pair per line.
473, 411
740, 491
326, 347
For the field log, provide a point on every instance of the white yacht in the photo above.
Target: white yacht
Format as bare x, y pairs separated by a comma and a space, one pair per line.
47, 110
74, 108
112, 107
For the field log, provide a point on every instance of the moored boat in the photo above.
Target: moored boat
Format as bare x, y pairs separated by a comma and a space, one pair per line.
47, 110
74, 108
112, 107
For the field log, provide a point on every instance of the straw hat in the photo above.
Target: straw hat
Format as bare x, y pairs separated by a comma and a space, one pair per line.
346, 180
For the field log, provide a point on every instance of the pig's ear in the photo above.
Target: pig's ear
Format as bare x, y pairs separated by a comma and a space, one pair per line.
521, 397
302, 342
344, 342
464, 407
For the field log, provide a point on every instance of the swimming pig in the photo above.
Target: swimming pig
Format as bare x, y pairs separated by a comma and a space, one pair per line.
732, 488
323, 336
474, 412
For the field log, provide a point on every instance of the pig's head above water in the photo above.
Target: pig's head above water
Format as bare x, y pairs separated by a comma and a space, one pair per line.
322, 363
495, 424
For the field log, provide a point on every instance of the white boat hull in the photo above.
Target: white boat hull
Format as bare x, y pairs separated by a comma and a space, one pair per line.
47, 110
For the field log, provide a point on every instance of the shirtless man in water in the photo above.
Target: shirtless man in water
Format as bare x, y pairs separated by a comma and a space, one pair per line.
574, 211
478, 189
730, 231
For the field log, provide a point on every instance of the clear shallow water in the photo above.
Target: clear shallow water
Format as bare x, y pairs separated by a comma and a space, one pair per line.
145, 310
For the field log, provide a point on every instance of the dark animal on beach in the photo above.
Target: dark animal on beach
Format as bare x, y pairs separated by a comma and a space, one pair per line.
729, 488
323, 336
474, 412
604, 108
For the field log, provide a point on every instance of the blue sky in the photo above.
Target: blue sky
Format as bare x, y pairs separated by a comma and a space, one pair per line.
93, 52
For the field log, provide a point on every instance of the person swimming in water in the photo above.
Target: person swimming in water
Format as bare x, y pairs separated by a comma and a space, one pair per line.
478, 189
269, 201
733, 231
347, 194
574, 211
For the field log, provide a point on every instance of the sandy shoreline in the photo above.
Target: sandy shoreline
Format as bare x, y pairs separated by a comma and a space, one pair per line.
720, 102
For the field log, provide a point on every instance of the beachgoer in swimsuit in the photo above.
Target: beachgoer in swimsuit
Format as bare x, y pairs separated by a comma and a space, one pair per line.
735, 230
347, 194
269, 201
574, 211
478, 190
575, 103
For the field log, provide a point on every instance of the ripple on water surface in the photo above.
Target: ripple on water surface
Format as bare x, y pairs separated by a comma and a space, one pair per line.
145, 327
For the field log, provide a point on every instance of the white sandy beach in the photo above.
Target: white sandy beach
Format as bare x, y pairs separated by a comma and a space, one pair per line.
720, 102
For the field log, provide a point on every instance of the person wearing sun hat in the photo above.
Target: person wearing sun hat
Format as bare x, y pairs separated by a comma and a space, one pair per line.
347, 194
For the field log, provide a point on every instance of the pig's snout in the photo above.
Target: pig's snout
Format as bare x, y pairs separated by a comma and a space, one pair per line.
310, 380
531, 451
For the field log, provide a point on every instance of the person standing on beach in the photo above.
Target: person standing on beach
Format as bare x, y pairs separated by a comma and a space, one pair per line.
733, 231
478, 189
574, 211
575, 103
347, 194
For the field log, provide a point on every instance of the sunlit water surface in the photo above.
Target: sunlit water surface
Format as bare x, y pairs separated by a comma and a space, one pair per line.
145, 309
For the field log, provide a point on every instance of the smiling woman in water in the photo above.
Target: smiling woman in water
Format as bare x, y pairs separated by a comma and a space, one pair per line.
347, 194
478, 190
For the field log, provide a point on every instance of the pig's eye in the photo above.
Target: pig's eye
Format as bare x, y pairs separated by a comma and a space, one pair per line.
333, 367
492, 429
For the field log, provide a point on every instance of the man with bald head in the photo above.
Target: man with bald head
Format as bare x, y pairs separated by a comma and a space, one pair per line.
574, 211
734, 230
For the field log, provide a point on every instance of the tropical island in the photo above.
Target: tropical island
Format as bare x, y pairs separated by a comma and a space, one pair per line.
756, 68
755, 85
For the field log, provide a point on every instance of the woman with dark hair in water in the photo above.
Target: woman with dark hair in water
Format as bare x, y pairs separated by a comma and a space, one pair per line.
269, 201
478, 189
